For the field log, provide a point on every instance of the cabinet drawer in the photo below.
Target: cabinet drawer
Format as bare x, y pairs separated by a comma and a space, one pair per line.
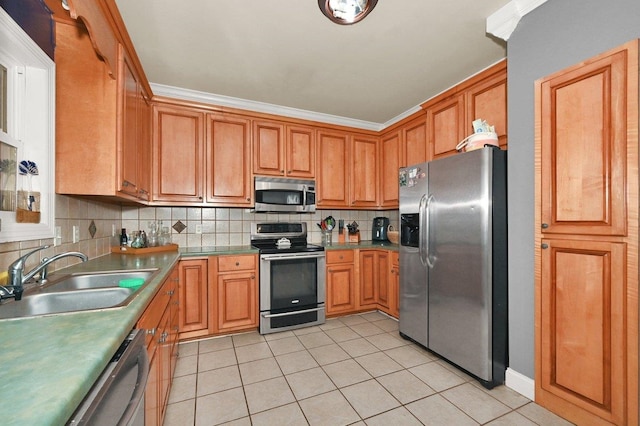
236, 263
340, 256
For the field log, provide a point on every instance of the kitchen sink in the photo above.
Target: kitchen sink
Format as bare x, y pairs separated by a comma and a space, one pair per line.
94, 280
66, 301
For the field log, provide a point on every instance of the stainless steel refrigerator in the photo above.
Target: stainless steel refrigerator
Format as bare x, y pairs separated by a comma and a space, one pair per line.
453, 260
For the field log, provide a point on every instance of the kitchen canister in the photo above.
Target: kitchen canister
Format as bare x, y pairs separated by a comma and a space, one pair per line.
477, 141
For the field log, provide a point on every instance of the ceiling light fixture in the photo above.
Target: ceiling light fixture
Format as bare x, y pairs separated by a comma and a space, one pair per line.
346, 12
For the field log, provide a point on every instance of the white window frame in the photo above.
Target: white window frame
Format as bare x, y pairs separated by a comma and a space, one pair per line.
30, 124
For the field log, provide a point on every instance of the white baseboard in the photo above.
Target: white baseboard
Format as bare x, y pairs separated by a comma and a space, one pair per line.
520, 383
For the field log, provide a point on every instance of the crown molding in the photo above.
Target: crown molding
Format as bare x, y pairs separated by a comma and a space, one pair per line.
228, 101
504, 21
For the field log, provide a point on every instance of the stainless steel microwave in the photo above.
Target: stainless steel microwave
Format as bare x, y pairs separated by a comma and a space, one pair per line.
284, 195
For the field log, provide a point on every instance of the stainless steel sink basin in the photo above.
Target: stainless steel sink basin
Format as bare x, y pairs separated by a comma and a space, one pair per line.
94, 280
66, 301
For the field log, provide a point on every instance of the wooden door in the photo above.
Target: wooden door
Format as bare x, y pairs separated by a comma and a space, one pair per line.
332, 179
390, 164
383, 283
586, 159
394, 292
300, 152
368, 279
445, 122
144, 146
152, 393
268, 148
193, 298
178, 154
487, 100
582, 327
340, 280
364, 180
583, 147
237, 301
414, 143
228, 159
128, 128
164, 352
341, 296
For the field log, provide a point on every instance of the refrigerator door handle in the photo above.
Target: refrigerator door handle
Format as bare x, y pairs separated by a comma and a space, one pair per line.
423, 219
427, 233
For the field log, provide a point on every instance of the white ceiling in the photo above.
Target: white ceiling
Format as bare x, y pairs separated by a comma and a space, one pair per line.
287, 53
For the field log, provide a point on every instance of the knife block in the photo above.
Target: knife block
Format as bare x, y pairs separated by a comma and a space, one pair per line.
355, 237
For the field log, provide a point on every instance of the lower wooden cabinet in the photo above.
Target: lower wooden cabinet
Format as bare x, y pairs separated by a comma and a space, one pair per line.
374, 279
218, 294
194, 296
340, 281
582, 329
371, 283
237, 293
159, 321
394, 286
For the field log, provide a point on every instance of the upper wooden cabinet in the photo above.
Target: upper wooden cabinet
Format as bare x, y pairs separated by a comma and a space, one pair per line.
134, 131
389, 165
102, 106
583, 144
449, 115
445, 121
283, 150
586, 318
178, 152
365, 166
201, 158
228, 160
413, 145
332, 180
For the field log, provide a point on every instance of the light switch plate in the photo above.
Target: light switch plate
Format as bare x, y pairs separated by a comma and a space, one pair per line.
199, 228
76, 234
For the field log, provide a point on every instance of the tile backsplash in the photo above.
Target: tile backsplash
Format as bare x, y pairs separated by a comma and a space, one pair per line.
232, 227
219, 226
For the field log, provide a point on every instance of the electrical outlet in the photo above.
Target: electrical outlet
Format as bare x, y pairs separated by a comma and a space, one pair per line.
57, 239
76, 234
199, 228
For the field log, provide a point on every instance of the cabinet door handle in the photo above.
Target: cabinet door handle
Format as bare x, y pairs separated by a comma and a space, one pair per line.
151, 332
545, 246
545, 225
253, 277
248, 199
237, 263
288, 171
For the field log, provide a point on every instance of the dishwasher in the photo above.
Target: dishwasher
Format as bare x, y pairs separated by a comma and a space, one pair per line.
117, 397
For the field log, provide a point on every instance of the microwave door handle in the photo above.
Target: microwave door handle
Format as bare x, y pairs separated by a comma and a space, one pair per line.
304, 197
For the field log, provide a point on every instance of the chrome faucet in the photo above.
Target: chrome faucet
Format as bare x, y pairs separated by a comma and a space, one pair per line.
17, 277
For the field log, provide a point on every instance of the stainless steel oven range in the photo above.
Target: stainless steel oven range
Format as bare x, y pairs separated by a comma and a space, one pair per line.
292, 276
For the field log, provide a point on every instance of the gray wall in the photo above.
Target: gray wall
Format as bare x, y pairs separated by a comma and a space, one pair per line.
554, 36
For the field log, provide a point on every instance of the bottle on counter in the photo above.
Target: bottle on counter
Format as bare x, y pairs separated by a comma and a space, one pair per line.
123, 238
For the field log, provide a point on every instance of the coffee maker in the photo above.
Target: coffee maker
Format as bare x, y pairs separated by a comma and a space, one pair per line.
379, 229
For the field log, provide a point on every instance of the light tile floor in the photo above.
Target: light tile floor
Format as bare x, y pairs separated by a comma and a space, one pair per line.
350, 370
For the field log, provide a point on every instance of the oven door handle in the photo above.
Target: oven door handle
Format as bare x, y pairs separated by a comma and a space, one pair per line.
284, 314
292, 256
